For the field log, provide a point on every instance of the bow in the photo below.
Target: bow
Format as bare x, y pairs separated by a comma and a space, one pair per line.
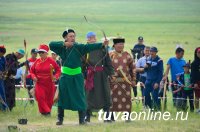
106, 47
25, 48
26, 61
26, 55
96, 26
25, 45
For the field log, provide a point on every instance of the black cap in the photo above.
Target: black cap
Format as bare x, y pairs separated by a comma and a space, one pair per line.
118, 40
67, 31
34, 51
140, 38
154, 49
2, 49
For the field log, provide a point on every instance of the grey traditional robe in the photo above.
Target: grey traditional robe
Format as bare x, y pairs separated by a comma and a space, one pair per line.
99, 97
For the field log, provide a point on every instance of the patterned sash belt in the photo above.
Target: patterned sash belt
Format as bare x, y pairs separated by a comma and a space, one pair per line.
89, 84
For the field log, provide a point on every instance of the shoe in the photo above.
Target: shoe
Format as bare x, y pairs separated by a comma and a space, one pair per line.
60, 116
59, 122
107, 111
87, 118
46, 114
83, 123
82, 117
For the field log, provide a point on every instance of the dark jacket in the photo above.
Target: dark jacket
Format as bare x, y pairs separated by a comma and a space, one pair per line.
2, 63
195, 68
155, 70
139, 50
11, 64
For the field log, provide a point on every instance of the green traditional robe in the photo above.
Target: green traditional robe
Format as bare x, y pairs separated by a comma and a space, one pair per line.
71, 87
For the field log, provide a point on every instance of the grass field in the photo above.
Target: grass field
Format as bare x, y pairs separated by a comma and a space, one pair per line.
162, 23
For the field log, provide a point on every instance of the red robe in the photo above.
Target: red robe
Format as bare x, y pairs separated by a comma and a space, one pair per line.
44, 87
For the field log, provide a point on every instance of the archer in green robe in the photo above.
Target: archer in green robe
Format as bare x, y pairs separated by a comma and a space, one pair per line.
71, 83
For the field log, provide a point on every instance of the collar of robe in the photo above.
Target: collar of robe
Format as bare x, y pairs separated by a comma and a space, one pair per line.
43, 60
119, 53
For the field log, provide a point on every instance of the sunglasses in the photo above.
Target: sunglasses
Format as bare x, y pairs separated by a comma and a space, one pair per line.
41, 52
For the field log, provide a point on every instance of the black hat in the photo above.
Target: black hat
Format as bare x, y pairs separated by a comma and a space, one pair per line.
118, 40
34, 51
154, 49
2, 49
140, 38
67, 31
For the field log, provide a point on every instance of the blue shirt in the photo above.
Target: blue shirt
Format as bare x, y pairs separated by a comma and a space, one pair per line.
19, 74
141, 63
176, 66
2, 63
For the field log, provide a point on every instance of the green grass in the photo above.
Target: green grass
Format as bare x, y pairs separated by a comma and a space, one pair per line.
162, 23
36, 122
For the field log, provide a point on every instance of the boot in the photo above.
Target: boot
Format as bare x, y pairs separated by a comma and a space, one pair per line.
129, 118
107, 110
81, 115
87, 119
112, 117
60, 116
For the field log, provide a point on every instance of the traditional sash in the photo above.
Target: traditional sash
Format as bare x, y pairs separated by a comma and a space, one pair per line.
71, 71
89, 84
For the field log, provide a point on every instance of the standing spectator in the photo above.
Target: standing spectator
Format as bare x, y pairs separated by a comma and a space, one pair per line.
138, 49
54, 57
138, 52
19, 77
175, 66
139, 66
154, 69
58, 61
2, 70
195, 75
11, 70
28, 80
184, 81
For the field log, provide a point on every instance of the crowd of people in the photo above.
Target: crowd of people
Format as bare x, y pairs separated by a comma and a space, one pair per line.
96, 76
